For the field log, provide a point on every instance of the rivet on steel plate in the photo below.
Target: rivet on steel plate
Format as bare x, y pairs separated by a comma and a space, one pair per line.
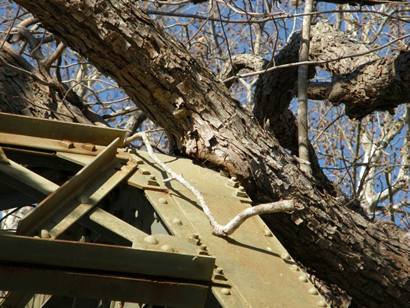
150, 240
145, 172
225, 291
152, 177
45, 234
89, 147
162, 201
153, 183
167, 248
268, 248
302, 278
203, 247
195, 236
286, 257
177, 221
241, 188
241, 194
219, 270
68, 144
322, 303
312, 291
268, 233
295, 268
233, 182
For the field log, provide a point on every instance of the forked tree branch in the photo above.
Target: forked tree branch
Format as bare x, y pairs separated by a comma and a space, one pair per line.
218, 229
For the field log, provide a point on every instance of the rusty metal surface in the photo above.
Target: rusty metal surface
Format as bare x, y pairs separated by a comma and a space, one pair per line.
253, 268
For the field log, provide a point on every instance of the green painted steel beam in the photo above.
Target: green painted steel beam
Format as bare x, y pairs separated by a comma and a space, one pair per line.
58, 130
54, 203
107, 258
107, 286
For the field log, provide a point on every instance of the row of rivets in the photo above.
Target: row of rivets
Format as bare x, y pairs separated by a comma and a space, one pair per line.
219, 274
203, 249
302, 278
311, 291
153, 181
86, 146
150, 239
240, 191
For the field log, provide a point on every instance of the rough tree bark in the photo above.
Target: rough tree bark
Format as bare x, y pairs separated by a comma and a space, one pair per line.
368, 260
363, 84
23, 90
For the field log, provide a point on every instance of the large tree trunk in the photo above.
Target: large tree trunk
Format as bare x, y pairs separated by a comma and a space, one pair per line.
24, 90
368, 260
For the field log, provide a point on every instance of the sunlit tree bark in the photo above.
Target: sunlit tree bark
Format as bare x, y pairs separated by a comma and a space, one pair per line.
335, 242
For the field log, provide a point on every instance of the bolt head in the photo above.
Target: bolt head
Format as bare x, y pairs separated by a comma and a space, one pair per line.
150, 240
312, 291
45, 234
167, 248
219, 270
286, 257
177, 221
302, 278
268, 233
225, 291
162, 201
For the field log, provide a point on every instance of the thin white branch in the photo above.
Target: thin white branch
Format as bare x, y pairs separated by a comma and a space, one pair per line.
265, 208
372, 154
233, 224
302, 118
